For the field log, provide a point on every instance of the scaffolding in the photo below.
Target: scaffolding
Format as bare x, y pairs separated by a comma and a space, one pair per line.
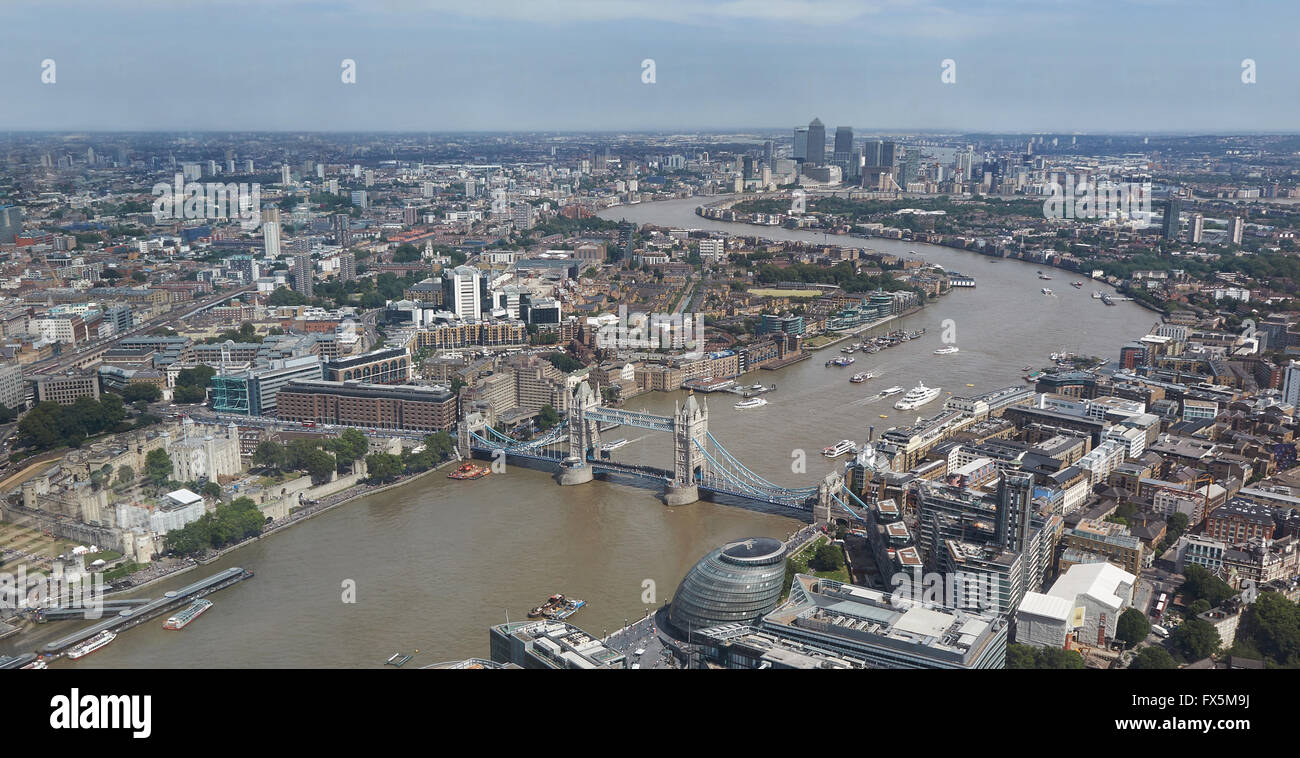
230, 394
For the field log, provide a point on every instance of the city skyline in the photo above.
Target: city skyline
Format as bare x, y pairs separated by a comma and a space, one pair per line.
505, 66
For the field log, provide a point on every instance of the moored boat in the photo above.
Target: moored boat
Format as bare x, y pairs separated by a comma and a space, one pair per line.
194, 610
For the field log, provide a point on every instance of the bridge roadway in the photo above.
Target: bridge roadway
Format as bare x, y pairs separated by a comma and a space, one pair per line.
717, 485
129, 618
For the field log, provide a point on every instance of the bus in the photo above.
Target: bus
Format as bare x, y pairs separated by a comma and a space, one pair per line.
1159, 609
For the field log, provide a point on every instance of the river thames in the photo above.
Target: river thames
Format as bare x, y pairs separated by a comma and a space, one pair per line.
438, 561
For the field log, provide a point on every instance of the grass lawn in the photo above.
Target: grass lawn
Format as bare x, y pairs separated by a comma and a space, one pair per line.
798, 564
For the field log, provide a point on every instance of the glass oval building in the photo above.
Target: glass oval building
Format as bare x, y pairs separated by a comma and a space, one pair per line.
739, 582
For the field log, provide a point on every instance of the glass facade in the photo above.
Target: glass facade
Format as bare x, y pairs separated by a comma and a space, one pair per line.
738, 582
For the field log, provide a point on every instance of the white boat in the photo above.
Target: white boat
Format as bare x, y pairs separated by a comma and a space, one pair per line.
840, 448
1046, 291
861, 377
610, 447
753, 402
1096, 295
950, 349
917, 397
891, 391
91, 645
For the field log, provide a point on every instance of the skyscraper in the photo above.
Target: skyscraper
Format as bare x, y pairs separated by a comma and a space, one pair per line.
302, 274
1291, 384
800, 152
1169, 228
816, 142
347, 267
843, 141
1196, 225
464, 292
1235, 229
271, 238
11, 222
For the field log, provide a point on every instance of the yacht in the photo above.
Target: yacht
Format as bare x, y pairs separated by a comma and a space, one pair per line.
753, 402
840, 448
861, 377
948, 350
917, 397
891, 391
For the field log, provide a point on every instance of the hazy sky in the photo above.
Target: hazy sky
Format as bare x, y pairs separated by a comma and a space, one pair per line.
500, 65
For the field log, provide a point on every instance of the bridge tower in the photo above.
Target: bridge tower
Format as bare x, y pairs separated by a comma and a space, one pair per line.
584, 435
690, 429
473, 421
830, 486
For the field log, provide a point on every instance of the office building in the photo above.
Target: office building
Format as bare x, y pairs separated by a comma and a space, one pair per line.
385, 366
465, 292
64, 389
800, 152
1197, 225
253, 392
403, 408
1169, 227
816, 143
1235, 228
11, 223
736, 583
13, 393
881, 630
545, 644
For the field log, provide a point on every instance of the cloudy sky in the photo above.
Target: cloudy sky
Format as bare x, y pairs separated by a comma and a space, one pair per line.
1142, 66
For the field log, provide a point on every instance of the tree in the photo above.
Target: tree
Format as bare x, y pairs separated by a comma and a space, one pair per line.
349, 446
1198, 606
828, 557
1200, 583
1032, 657
125, 475
1132, 627
140, 391
269, 455
440, 444
1272, 625
7, 414
157, 466
547, 417
384, 466
320, 465
1153, 657
1195, 639
283, 296
211, 490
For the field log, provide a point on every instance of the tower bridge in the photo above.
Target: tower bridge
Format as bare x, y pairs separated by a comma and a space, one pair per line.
701, 464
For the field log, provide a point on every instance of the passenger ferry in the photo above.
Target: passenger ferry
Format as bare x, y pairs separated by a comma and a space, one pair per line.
753, 402
840, 448
917, 397
949, 350
861, 377
610, 447
91, 645
891, 391
178, 622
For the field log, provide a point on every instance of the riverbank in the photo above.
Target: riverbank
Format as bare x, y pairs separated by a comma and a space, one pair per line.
296, 517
